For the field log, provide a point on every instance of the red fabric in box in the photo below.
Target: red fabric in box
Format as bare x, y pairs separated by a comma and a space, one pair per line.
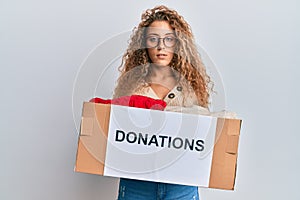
137, 101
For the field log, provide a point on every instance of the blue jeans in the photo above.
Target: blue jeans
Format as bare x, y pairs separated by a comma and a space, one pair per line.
145, 190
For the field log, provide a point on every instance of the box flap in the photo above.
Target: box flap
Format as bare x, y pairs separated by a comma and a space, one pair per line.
232, 144
223, 168
93, 138
87, 126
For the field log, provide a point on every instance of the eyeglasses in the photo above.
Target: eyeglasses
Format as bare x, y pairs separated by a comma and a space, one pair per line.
154, 41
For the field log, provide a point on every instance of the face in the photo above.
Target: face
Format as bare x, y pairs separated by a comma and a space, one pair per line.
160, 42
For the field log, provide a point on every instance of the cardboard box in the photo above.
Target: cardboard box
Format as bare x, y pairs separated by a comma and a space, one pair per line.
159, 146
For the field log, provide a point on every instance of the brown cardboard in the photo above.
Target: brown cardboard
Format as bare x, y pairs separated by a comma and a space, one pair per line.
223, 168
93, 140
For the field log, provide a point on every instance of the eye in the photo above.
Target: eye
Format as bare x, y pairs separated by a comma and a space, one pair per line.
152, 39
169, 39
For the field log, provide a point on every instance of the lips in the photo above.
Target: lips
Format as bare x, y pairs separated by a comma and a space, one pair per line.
161, 55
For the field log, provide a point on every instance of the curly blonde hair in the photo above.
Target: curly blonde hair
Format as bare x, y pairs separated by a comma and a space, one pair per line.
186, 60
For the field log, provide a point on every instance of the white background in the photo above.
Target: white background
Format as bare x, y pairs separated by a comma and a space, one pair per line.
255, 45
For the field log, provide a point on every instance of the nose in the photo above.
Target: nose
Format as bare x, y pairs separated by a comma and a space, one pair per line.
160, 44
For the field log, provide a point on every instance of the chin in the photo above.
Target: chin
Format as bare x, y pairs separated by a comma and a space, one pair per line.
162, 64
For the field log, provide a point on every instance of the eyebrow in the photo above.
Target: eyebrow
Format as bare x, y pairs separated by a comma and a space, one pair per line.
155, 34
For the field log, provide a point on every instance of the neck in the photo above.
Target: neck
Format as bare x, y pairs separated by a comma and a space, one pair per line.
162, 71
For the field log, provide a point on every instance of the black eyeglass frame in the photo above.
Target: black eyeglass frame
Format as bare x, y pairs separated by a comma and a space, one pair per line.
159, 41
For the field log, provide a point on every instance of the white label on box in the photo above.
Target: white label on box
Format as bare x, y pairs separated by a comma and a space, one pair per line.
160, 146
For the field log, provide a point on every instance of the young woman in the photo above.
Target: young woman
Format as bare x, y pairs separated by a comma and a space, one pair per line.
162, 62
